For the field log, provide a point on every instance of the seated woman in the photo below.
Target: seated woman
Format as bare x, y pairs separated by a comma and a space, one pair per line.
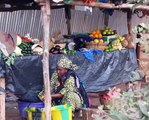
66, 87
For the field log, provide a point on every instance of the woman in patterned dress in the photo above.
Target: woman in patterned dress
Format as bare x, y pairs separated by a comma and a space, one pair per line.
64, 84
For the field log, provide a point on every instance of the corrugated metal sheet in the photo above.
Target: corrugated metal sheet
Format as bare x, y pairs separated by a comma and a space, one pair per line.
21, 22
24, 21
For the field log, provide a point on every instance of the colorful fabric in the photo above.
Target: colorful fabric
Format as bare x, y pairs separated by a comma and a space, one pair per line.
70, 92
71, 89
66, 63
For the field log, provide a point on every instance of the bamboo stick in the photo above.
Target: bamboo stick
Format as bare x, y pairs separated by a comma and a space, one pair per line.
46, 29
2, 99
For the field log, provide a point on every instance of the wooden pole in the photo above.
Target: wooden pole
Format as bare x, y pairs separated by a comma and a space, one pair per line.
129, 25
129, 22
106, 19
46, 29
2, 99
68, 18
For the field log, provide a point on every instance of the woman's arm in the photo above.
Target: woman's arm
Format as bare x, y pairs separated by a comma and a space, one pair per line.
53, 81
57, 95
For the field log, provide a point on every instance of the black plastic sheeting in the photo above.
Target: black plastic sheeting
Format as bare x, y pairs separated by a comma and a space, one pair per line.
25, 77
2, 67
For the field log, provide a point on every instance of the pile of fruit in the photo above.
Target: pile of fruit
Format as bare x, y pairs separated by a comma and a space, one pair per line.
116, 44
96, 34
107, 31
100, 41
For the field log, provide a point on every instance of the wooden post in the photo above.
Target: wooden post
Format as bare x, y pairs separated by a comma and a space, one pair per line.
2, 99
46, 29
68, 18
106, 19
129, 25
129, 22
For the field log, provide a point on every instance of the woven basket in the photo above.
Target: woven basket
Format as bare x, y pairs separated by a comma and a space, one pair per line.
97, 46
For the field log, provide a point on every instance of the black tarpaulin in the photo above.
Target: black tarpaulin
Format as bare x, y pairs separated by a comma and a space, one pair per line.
2, 65
107, 70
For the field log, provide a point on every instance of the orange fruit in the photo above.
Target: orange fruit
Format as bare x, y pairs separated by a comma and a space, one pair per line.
99, 35
96, 35
96, 41
101, 41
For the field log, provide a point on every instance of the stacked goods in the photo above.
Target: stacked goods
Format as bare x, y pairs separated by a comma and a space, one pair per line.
117, 44
97, 46
26, 47
108, 35
96, 34
97, 41
107, 32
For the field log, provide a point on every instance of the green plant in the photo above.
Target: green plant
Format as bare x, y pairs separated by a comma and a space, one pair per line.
134, 106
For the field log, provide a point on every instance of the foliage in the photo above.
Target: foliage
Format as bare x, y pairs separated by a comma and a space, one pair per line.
142, 35
134, 106
11, 58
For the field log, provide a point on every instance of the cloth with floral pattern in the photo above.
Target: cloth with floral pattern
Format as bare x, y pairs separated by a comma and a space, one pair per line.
69, 91
66, 63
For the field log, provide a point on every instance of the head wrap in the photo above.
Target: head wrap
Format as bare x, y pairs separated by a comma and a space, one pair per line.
66, 63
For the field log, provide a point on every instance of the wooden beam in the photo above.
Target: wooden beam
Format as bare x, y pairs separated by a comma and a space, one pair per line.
46, 12
109, 5
2, 99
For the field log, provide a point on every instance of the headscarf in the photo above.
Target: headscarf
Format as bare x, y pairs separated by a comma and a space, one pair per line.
66, 63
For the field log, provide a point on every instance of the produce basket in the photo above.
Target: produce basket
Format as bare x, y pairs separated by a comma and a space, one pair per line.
97, 46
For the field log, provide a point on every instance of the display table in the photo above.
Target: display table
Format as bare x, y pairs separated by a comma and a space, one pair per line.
107, 70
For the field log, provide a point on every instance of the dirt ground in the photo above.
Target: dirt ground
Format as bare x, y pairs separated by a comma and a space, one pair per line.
12, 112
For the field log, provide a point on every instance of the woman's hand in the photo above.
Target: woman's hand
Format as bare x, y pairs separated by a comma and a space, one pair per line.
58, 95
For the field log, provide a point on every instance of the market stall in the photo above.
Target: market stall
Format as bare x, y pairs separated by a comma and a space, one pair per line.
107, 70
107, 61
